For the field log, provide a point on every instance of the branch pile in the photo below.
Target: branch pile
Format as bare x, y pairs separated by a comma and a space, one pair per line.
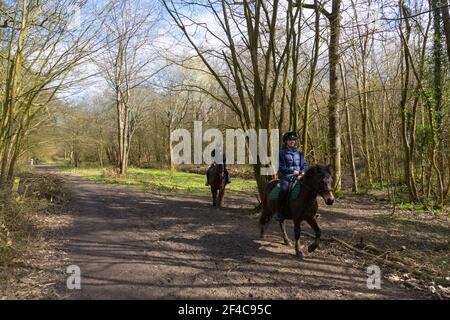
388, 258
47, 187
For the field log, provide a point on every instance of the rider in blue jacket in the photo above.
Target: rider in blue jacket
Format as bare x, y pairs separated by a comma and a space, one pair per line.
291, 164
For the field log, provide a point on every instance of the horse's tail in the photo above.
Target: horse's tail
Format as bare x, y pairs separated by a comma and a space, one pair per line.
266, 216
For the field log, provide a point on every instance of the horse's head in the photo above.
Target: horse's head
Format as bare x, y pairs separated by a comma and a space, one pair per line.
220, 170
320, 179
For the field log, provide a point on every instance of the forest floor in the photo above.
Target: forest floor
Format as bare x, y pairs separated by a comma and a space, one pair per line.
131, 244
32, 259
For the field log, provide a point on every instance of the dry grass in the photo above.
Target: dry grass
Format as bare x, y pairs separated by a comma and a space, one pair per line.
30, 260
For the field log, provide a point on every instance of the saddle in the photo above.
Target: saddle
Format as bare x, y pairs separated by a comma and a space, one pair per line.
294, 191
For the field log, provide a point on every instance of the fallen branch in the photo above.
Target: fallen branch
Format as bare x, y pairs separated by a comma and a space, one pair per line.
394, 264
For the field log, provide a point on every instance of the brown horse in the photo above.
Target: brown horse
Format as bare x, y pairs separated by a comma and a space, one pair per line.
216, 179
316, 181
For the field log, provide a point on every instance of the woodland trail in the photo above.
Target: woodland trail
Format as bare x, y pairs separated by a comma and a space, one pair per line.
134, 245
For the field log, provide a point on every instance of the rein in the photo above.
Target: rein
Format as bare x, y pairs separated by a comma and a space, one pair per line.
311, 189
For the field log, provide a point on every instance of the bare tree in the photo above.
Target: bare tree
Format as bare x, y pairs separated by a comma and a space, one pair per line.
251, 65
334, 130
40, 48
130, 28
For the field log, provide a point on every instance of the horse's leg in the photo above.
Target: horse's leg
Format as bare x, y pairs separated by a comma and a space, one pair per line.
285, 236
214, 196
264, 220
221, 193
298, 252
313, 223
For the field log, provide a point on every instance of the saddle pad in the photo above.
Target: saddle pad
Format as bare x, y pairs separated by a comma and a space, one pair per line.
293, 193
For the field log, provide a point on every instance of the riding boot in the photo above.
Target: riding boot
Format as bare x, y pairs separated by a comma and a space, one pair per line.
283, 199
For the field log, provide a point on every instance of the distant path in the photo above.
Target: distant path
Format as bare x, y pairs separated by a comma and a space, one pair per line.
134, 245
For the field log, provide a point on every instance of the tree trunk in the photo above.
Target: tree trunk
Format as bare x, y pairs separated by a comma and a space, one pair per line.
349, 132
446, 19
311, 79
333, 103
8, 124
408, 161
437, 82
100, 155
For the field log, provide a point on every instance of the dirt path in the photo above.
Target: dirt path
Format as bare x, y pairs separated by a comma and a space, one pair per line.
133, 245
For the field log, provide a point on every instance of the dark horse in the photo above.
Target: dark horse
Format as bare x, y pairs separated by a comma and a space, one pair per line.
316, 181
216, 179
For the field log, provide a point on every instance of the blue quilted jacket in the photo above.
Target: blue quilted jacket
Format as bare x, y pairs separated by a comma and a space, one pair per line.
291, 160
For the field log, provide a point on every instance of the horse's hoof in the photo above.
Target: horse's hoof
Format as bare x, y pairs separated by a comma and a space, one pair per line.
299, 254
313, 246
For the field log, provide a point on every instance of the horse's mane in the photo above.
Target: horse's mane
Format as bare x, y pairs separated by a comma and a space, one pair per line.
312, 171
316, 169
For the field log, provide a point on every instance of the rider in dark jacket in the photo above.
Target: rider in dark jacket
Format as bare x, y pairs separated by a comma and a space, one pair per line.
214, 161
291, 164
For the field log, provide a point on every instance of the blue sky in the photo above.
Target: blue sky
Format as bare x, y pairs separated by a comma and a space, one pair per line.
169, 40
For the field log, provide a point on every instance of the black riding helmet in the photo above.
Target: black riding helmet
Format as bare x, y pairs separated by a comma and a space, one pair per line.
292, 135
213, 152
219, 151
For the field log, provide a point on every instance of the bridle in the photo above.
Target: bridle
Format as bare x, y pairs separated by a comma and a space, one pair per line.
220, 170
320, 192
